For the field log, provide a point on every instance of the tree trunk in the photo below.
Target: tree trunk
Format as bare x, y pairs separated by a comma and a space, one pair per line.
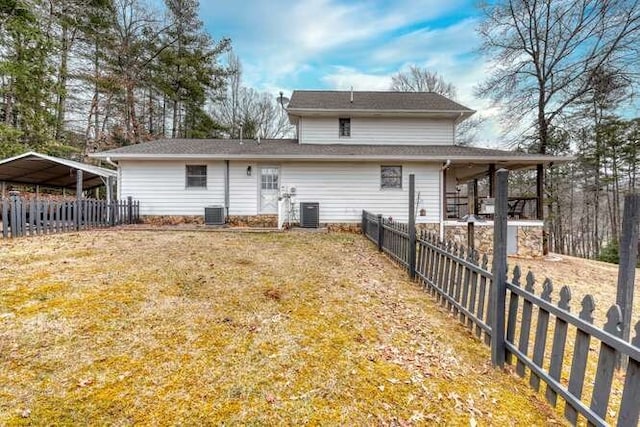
151, 129
63, 73
96, 92
164, 116
133, 127
174, 127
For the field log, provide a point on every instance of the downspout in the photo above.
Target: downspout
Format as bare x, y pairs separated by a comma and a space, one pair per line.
226, 187
443, 189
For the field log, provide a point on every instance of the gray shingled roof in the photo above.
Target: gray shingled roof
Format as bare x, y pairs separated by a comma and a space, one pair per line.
375, 101
290, 149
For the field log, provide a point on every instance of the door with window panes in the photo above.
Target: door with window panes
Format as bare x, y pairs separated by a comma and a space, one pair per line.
269, 189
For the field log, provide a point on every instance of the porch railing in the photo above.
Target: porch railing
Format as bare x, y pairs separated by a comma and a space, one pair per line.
519, 207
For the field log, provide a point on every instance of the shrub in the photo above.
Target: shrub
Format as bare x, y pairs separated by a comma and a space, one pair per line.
610, 253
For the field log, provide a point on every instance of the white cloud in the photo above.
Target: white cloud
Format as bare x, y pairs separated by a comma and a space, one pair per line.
344, 78
329, 43
275, 39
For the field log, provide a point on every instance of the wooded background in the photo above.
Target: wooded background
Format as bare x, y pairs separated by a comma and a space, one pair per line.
79, 76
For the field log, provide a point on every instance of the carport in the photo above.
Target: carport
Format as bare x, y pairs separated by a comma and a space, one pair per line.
41, 170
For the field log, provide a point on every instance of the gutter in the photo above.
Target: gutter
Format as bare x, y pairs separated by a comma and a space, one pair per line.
473, 159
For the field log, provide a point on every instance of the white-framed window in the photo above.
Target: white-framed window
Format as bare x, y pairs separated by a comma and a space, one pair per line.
196, 176
344, 127
390, 177
269, 178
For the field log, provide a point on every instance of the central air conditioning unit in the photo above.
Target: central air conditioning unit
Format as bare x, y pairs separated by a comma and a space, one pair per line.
214, 215
309, 215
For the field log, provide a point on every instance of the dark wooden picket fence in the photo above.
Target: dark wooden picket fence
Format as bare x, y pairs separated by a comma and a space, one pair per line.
23, 217
554, 348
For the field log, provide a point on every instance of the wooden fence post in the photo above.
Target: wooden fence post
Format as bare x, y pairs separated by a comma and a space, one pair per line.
112, 212
628, 261
412, 227
499, 272
130, 210
380, 232
14, 217
5, 217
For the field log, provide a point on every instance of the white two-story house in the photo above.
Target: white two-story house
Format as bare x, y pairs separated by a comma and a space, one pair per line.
354, 151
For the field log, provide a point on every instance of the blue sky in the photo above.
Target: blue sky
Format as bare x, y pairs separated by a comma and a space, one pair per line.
330, 44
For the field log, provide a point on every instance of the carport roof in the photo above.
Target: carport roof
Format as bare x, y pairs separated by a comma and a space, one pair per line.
39, 169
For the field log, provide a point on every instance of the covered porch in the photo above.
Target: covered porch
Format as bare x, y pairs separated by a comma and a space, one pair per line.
469, 196
469, 188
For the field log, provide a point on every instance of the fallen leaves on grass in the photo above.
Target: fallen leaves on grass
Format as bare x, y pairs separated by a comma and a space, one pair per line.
327, 331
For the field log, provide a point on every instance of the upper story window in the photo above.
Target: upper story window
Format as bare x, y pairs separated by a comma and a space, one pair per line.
390, 177
196, 176
344, 127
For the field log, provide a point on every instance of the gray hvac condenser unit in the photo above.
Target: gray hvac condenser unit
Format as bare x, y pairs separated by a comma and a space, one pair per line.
309, 215
214, 215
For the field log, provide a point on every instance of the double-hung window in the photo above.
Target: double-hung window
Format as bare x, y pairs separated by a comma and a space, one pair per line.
196, 176
344, 127
390, 177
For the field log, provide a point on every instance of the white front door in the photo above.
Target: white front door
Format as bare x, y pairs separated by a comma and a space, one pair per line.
269, 189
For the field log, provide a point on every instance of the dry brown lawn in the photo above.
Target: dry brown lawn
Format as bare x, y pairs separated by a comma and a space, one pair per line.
133, 327
583, 277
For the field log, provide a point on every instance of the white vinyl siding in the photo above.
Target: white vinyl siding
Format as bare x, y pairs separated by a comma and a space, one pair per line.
345, 189
161, 189
377, 131
243, 189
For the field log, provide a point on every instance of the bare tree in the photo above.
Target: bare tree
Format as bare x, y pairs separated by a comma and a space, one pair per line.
546, 55
417, 79
258, 113
546, 52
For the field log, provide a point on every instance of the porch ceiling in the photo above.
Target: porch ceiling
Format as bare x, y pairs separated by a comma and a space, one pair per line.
466, 171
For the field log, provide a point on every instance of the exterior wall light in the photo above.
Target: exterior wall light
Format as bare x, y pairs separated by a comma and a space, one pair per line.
248, 170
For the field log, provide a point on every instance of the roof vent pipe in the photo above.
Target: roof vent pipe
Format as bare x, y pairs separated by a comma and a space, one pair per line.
351, 95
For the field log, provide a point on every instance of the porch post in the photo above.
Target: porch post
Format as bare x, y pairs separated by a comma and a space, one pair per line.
540, 206
492, 180
539, 191
475, 197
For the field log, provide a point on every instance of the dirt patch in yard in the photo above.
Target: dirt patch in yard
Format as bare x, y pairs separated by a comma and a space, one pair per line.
178, 327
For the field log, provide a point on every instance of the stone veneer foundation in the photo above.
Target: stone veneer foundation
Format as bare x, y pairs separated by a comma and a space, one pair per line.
529, 237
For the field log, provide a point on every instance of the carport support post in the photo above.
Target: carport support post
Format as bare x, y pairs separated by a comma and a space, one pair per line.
412, 227
628, 260
499, 270
78, 210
